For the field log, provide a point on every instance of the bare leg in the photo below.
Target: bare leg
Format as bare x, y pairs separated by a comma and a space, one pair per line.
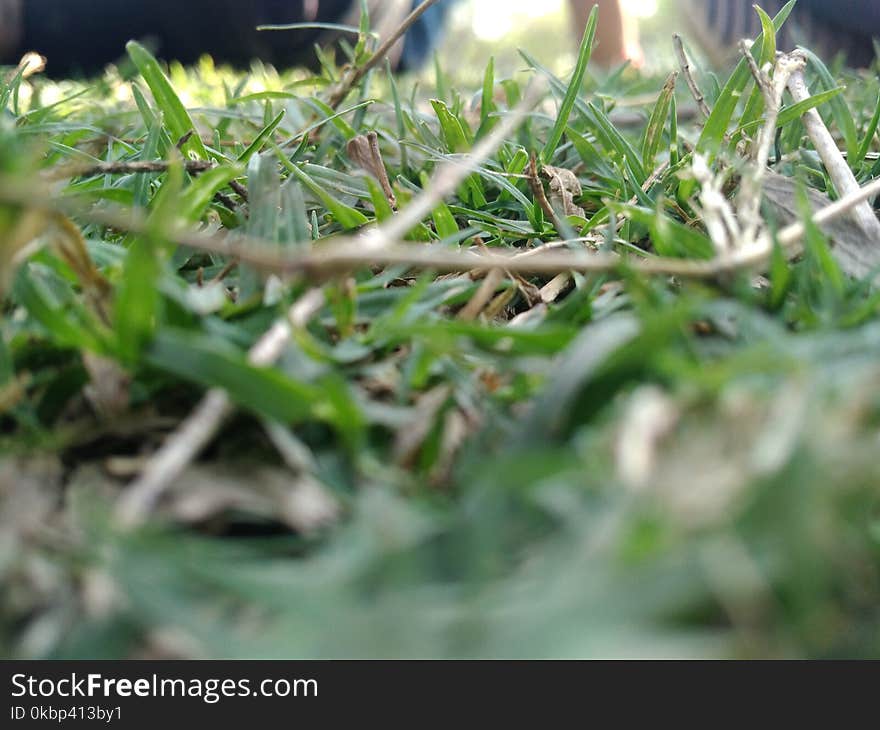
617, 36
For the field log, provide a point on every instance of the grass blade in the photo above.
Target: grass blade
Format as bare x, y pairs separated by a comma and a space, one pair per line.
657, 123
574, 88
177, 118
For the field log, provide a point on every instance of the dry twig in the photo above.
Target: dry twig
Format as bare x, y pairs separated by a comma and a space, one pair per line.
356, 74
838, 169
773, 89
346, 254
538, 191
124, 168
689, 76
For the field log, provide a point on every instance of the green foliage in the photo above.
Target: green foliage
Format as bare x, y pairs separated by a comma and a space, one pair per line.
574, 86
174, 112
726, 105
434, 465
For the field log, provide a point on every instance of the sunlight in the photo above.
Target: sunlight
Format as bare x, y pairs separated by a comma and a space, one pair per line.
641, 8
494, 19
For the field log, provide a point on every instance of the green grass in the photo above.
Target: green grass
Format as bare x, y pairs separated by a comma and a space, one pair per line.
643, 467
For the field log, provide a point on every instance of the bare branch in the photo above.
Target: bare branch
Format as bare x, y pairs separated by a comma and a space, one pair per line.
348, 253
689, 76
356, 74
123, 168
840, 172
773, 89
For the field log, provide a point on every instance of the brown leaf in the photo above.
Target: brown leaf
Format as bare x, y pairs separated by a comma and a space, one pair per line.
15, 236
365, 153
564, 188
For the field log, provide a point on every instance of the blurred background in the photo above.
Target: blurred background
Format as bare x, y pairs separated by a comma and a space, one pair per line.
500, 27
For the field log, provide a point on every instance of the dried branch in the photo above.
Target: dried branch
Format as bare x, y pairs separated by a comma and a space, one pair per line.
483, 296
123, 168
356, 74
689, 76
773, 89
346, 254
838, 169
541, 196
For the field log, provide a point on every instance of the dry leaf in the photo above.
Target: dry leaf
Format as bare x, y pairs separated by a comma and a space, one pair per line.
564, 188
71, 246
365, 153
14, 238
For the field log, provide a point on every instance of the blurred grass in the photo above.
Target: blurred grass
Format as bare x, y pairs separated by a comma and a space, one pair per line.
641, 468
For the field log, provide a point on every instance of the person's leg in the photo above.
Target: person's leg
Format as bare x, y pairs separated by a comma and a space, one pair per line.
861, 15
842, 26
828, 26
617, 36
85, 35
424, 36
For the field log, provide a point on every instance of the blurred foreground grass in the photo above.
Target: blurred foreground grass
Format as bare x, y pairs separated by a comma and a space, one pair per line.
435, 466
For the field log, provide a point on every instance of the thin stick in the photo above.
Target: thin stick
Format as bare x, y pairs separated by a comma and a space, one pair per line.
483, 296
541, 196
689, 77
348, 253
348, 256
239, 189
794, 233
838, 169
171, 460
773, 90
123, 168
356, 74
554, 289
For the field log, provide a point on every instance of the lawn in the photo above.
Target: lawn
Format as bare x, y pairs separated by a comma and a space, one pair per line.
538, 363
